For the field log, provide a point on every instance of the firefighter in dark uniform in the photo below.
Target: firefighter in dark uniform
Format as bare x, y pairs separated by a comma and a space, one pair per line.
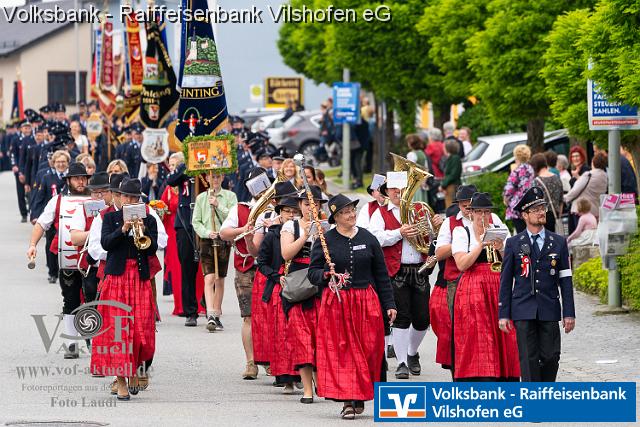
18, 153
122, 147
536, 275
132, 154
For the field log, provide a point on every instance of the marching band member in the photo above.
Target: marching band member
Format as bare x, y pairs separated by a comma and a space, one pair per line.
172, 279
276, 349
410, 288
267, 219
350, 330
70, 280
213, 205
126, 281
536, 263
481, 351
296, 239
364, 216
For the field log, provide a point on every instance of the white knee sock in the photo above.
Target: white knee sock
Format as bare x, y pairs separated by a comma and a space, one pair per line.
401, 344
69, 328
415, 338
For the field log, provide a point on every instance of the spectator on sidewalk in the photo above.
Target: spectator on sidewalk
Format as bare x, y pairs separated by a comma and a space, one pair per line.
465, 136
452, 172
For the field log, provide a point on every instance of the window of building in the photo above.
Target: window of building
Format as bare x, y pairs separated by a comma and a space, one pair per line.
62, 87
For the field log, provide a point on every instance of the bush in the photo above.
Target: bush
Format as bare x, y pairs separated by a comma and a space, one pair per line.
492, 183
591, 278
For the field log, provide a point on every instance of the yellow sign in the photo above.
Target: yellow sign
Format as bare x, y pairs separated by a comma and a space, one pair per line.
279, 90
94, 126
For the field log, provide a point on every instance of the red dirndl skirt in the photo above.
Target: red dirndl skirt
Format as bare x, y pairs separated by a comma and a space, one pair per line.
281, 360
154, 266
301, 334
350, 344
441, 324
121, 356
481, 348
261, 322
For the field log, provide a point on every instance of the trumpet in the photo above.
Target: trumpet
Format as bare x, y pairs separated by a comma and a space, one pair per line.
492, 254
141, 241
253, 230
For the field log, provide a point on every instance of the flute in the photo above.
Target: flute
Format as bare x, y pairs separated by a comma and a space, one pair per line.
253, 230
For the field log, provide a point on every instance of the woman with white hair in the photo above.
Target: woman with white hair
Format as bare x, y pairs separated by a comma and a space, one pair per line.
565, 175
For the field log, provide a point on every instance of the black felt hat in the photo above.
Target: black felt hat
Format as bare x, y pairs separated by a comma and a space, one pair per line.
76, 169
465, 192
114, 181
287, 202
532, 198
131, 187
316, 193
481, 201
99, 181
337, 203
285, 189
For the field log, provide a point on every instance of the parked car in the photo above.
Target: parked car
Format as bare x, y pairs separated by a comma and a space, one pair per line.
300, 133
250, 115
268, 124
495, 153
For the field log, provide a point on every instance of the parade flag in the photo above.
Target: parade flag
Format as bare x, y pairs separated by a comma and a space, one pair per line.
105, 79
203, 108
95, 63
159, 94
17, 108
134, 71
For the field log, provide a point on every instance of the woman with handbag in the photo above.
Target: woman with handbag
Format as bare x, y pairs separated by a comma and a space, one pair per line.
350, 328
297, 237
551, 185
270, 264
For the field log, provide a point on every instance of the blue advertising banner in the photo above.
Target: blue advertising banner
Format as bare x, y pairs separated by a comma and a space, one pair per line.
605, 115
346, 103
505, 402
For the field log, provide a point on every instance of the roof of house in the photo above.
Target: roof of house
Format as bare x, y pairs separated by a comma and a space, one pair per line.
18, 35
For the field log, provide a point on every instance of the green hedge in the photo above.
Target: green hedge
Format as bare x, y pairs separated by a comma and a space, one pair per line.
591, 278
492, 183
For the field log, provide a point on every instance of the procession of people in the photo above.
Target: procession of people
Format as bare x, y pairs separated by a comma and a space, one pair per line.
327, 294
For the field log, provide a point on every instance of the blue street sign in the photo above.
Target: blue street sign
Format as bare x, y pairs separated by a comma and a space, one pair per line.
605, 115
346, 103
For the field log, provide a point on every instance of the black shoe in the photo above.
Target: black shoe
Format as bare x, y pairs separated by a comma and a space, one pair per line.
402, 372
391, 353
71, 352
277, 384
24, 219
211, 324
53, 279
218, 323
306, 400
191, 321
414, 364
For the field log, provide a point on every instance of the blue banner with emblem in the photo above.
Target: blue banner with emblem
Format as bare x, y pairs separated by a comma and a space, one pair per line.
203, 107
505, 402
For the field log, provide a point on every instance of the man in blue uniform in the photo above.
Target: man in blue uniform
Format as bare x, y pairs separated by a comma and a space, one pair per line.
132, 155
536, 271
18, 152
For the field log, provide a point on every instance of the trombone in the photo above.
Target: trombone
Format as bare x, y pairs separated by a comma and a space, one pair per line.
492, 254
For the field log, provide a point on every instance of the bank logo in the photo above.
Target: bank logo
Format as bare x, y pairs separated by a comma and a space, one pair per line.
401, 402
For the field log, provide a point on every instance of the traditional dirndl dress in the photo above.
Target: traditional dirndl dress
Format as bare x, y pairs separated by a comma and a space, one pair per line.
350, 344
261, 322
282, 360
482, 350
121, 356
441, 324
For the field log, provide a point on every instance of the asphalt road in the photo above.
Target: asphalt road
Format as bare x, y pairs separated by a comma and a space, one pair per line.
196, 378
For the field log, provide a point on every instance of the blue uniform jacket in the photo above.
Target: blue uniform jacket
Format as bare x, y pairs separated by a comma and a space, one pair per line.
537, 294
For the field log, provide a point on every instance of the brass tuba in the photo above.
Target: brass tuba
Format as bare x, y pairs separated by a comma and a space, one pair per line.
262, 205
418, 214
141, 241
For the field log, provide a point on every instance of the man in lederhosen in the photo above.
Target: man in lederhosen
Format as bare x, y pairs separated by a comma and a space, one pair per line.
536, 271
410, 287
70, 280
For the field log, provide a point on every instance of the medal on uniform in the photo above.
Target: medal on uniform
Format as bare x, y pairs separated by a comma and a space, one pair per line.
552, 272
553, 262
526, 262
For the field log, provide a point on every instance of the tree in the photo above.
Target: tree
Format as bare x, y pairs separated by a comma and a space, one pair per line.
506, 61
448, 24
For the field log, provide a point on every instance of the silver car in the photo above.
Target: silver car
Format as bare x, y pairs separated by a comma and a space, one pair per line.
299, 134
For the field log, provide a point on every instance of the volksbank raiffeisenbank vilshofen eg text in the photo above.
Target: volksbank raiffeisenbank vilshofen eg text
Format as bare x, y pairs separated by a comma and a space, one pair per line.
539, 393
251, 15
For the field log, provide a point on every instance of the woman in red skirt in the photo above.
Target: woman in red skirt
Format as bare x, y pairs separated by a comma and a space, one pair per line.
296, 238
481, 351
350, 328
270, 264
127, 307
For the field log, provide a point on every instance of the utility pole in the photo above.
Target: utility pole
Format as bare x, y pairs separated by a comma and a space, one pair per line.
346, 143
615, 292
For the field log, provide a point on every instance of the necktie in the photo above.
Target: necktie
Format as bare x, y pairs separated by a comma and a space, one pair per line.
535, 249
